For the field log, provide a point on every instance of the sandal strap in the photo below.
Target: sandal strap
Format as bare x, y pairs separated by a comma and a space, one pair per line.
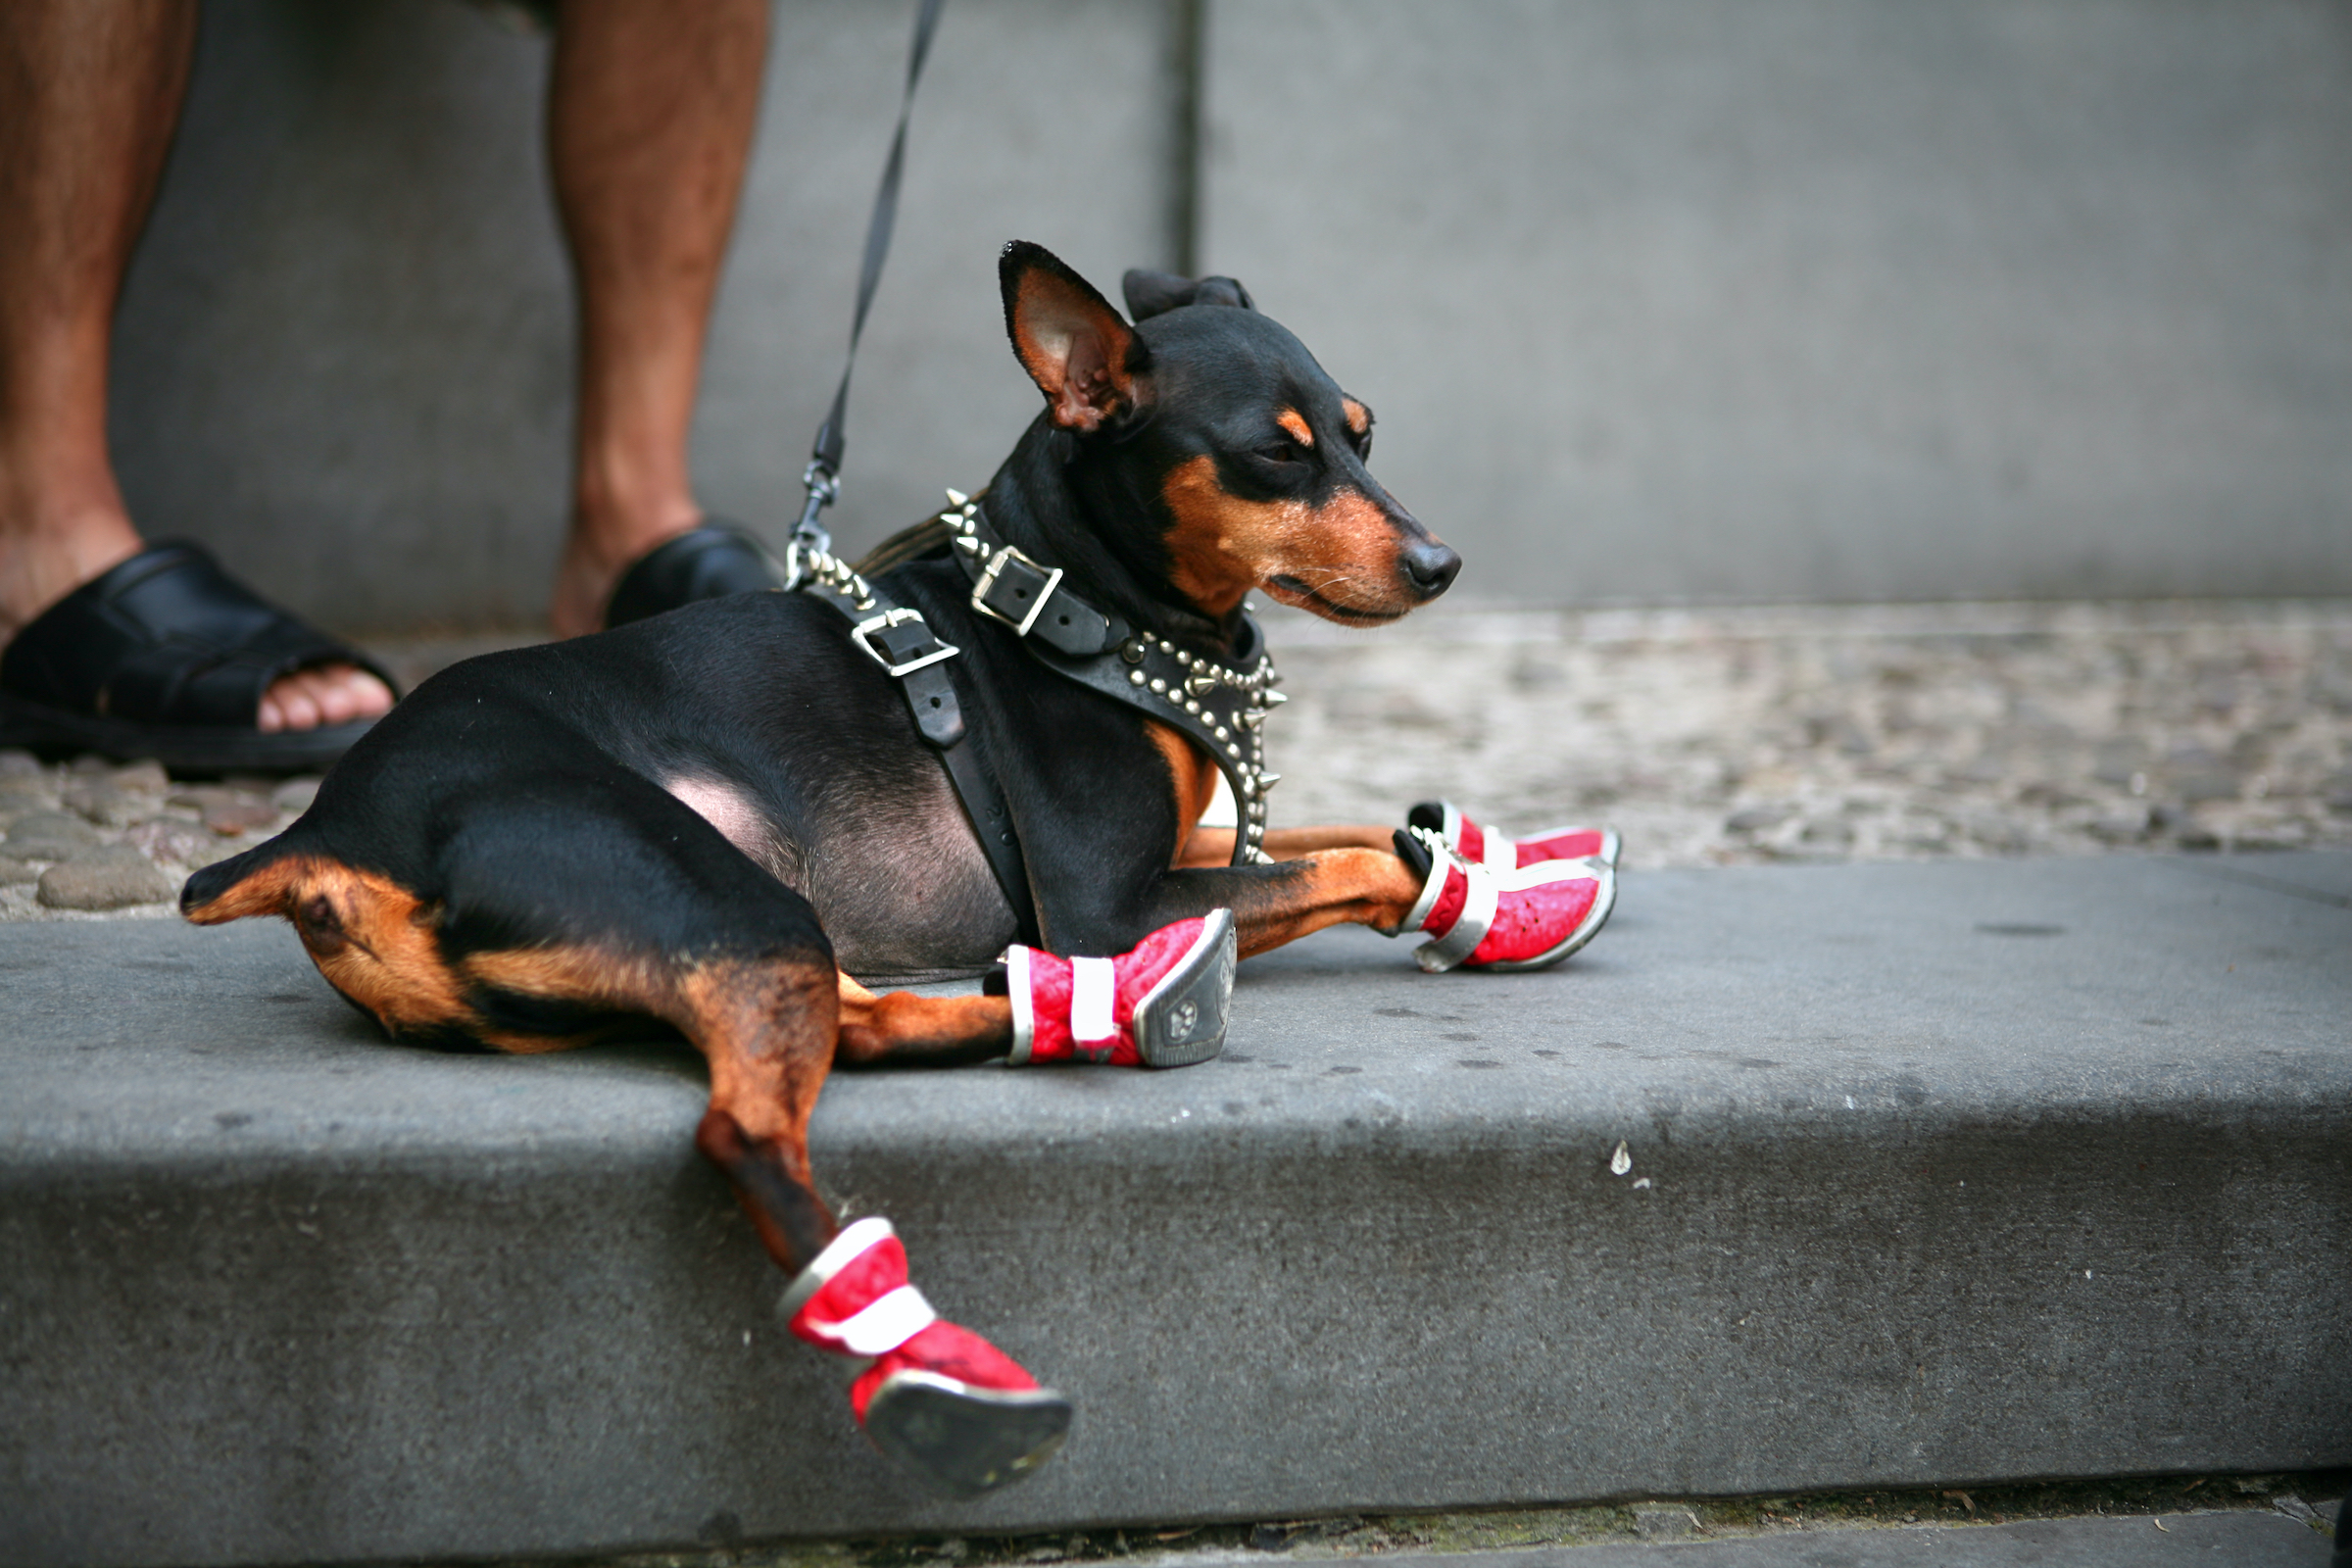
708, 562
165, 638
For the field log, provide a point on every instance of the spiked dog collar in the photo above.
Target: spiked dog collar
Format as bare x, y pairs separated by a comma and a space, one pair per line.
1221, 704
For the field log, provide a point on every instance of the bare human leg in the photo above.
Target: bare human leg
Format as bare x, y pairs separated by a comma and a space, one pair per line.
89, 93
649, 131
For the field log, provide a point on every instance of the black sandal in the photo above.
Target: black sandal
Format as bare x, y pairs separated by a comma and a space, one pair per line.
167, 656
708, 561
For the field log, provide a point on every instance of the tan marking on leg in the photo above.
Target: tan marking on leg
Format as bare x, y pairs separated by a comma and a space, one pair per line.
767, 1028
597, 976
1298, 843
1212, 847
1191, 772
904, 1027
1344, 886
1206, 850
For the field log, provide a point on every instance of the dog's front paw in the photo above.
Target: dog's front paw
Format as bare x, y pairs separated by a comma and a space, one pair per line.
1492, 847
1527, 918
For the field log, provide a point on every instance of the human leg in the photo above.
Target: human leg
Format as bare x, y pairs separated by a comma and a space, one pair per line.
89, 93
650, 121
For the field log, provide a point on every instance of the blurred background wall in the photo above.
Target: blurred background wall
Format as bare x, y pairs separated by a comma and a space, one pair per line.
1657, 300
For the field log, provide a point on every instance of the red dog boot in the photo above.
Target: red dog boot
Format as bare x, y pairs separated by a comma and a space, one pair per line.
1161, 1006
1496, 852
939, 1400
1524, 918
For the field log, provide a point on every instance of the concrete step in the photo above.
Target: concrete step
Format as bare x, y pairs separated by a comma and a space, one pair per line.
1939, 1173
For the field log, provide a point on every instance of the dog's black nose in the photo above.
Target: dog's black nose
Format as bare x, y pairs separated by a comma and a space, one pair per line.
1432, 567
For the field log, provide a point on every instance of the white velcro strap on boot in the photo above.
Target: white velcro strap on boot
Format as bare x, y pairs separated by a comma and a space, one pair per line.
1093, 986
1484, 895
1500, 853
1441, 856
887, 1322
1024, 1016
854, 1241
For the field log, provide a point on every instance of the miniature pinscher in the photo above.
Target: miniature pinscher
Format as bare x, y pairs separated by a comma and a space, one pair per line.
713, 817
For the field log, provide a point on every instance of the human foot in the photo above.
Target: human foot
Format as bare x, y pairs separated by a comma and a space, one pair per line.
165, 656
39, 568
331, 693
606, 540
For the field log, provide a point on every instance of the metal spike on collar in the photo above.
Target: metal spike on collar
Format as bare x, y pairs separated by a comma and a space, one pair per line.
956, 497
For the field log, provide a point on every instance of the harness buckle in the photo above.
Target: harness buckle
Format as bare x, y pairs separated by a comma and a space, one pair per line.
901, 653
1018, 597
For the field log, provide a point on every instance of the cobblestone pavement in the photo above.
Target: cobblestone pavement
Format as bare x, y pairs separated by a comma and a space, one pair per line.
1878, 732
1708, 736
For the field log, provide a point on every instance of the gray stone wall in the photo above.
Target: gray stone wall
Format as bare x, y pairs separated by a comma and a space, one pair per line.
1658, 300
1819, 299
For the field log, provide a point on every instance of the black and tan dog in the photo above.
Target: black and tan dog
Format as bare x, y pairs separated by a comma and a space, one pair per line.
713, 817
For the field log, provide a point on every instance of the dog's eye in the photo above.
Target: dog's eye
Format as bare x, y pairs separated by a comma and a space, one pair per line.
1282, 450
1362, 442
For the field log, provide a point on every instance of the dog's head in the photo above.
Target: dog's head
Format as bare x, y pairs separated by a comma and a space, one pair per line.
1250, 459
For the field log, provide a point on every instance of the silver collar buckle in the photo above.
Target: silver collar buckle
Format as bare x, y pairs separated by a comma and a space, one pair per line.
1028, 586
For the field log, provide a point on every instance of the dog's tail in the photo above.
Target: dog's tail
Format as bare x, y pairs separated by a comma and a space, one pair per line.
926, 537
260, 881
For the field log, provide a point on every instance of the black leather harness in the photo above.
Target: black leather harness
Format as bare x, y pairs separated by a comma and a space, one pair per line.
1221, 705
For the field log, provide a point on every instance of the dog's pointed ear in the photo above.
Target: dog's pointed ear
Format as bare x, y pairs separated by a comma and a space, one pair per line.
1079, 351
1149, 293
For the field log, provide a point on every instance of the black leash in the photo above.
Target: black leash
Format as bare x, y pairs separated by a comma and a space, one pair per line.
822, 477
896, 636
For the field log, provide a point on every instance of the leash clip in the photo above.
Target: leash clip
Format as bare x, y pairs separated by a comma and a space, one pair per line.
810, 540
1031, 582
901, 656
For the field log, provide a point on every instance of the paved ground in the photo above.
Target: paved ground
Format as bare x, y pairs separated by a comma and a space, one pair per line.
1894, 732
2226, 1522
1715, 737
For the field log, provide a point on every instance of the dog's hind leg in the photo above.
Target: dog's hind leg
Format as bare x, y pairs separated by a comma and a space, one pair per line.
555, 909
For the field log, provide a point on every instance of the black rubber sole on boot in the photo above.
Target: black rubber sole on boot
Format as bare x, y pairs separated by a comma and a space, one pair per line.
1182, 1019
963, 1439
